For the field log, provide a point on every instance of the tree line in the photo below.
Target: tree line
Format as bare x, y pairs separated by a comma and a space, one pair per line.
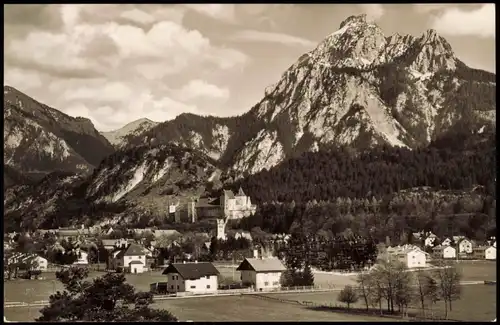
395, 216
391, 286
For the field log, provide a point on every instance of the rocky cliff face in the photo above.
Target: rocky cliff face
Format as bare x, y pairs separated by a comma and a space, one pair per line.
39, 139
357, 88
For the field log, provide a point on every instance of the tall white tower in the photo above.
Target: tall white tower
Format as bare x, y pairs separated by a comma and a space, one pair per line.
221, 229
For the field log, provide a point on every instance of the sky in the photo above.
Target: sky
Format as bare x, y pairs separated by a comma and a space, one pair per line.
118, 63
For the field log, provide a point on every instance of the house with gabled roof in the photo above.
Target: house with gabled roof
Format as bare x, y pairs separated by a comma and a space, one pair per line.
197, 277
130, 260
262, 274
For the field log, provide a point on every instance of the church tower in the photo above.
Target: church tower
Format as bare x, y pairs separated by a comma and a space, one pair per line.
221, 229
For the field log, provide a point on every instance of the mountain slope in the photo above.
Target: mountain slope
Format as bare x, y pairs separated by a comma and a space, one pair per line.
127, 185
118, 137
357, 88
452, 162
39, 140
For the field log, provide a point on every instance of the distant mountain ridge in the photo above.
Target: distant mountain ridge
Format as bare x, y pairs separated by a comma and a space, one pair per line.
118, 137
39, 139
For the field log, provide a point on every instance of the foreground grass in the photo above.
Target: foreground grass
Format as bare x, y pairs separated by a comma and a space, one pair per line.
250, 309
478, 302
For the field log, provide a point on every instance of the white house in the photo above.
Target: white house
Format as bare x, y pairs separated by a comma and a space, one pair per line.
36, 262
430, 240
130, 260
197, 278
490, 253
261, 273
465, 246
412, 257
82, 258
445, 251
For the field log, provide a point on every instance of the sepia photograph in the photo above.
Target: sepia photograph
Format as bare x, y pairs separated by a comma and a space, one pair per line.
249, 162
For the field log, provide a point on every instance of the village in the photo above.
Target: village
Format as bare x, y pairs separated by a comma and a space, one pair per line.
188, 260
221, 262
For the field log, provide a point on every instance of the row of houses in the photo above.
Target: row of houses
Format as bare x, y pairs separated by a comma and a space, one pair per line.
462, 243
478, 252
259, 273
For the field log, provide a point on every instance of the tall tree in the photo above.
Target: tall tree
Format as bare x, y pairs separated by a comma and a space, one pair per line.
105, 299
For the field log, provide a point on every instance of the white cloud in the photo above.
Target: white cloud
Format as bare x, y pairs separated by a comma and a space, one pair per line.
25, 79
138, 16
224, 12
100, 67
201, 89
373, 11
458, 22
258, 36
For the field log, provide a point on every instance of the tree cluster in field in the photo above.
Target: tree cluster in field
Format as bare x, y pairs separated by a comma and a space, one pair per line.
104, 299
341, 253
384, 170
396, 216
391, 286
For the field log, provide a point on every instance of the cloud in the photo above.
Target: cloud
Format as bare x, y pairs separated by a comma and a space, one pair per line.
197, 89
258, 36
117, 64
373, 11
223, 12
138, 16
459, 22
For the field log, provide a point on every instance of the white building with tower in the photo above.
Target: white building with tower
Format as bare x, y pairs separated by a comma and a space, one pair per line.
236, 206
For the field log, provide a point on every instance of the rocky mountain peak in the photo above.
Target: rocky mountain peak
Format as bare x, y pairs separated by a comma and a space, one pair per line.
355, 19
433, 53
355, 45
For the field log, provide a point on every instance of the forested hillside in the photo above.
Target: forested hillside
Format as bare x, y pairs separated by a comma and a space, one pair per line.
454, 162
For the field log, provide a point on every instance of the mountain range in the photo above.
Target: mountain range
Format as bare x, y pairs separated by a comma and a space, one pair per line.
357, 89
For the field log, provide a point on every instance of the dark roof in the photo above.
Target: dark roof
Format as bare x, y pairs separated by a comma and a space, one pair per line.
261, 265
132, 250
191, 271
135, 262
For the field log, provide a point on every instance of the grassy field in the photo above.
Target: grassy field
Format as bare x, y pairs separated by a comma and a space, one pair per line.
478, 301
251, 309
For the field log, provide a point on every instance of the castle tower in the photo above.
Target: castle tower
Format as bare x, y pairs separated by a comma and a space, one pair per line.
221, 229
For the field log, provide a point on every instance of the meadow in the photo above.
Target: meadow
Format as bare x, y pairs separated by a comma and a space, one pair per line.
478, 302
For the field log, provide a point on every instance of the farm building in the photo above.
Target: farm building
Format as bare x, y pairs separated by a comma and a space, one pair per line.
131, 260
444, 252
194, 277
261, 273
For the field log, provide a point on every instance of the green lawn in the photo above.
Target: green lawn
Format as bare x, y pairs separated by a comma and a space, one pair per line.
478, 302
